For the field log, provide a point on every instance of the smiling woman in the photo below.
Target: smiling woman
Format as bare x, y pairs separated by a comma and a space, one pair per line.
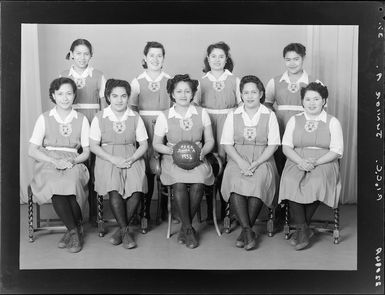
59, 174
250, 138
313, 145
184, 122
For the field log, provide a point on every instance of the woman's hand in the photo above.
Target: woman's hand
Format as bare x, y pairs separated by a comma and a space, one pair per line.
129, 162
119, 162
253, 166
169, 150
202, 156
62, 164
244, 166
305, 165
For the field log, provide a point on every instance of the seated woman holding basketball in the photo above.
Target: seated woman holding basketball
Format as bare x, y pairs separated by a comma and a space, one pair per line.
250, 138
184, 122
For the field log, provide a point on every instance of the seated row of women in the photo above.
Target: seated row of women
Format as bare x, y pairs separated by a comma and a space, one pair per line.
312, 143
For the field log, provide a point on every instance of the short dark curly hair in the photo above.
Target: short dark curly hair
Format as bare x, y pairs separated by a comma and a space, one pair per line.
256, 81
171, 84
149, 45
296, 47
113, 83
315, 86
226, 48
57, 83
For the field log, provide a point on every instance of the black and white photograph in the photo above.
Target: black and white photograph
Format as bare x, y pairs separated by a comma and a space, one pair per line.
163, 153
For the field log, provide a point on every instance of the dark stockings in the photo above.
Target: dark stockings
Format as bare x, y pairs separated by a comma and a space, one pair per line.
123, 210
147, 200
297, 212
255, 206
187, 204
302, 213
310, 210
246, 209
68, 210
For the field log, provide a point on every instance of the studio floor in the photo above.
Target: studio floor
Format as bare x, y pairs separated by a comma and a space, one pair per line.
155, 251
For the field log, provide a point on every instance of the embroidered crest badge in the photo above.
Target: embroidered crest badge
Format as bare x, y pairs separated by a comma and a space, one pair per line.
250, 133
65, 129
293, 87
186, 124
218, 85
311, 126
80, 82
119, 127
154, 86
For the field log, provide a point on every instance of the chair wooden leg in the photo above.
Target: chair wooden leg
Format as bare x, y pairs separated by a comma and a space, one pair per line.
169, 211
144, 219
37, 215
227, 220
30, 215
99, 216
270, 223
336, 232
286, 227
215, 210
159, 209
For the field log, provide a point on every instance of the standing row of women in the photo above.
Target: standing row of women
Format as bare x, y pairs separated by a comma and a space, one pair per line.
180, 108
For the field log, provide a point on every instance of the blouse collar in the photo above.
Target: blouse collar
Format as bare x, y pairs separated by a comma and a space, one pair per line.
223, 77
159, 78
73, 114
190, 111
87, 72
321, 117
304, 78
107, 112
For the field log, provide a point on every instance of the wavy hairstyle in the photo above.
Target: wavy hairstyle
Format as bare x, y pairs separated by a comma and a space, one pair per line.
226, 48
149, 45
315, 86
171, 84
113, 83
256, 81
57, 83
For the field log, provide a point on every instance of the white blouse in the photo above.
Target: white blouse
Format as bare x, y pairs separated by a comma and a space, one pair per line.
38, 133
336, 136
273, 137
223, 77
161, 125
95, 133
135, 86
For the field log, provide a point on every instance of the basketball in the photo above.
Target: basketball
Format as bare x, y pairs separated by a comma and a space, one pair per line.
186, 155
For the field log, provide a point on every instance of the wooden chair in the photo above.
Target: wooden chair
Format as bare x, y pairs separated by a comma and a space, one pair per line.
325, 226
100, 220
48, 226
228, 221
217, 166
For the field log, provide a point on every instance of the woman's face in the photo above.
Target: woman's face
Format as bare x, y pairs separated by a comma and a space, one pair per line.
81, 56
182, 94
293, 62
313, 103
64, 97
251, 95
154, 59
217, 59
118, 99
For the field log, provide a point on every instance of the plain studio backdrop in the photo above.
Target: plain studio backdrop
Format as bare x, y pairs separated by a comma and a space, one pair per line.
332, 57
